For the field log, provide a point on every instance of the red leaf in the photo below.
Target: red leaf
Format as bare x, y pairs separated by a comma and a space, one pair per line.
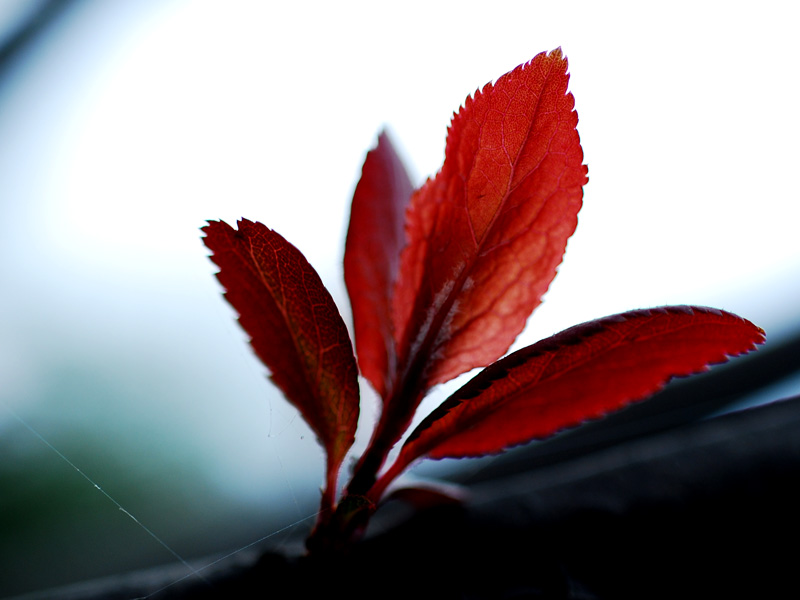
372, 255
581, 373
484, 238
487, 233
295, 329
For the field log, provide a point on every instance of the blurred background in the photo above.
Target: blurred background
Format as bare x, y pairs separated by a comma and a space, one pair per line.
125, 125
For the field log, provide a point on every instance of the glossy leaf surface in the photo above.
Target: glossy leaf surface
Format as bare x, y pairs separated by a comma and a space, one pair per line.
294, 326
372, 255
581, 373
487, 233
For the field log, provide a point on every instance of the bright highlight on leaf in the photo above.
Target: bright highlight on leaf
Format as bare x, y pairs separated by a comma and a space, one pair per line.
442, 280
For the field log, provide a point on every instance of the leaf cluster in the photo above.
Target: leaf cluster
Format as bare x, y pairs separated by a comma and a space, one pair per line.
441, 280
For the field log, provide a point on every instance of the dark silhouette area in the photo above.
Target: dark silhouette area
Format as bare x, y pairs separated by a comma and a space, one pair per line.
702, 515
699, 508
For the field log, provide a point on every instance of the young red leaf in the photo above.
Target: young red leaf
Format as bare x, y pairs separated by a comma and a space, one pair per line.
487, 233
581, 373
372, 254
484, 238
295, 329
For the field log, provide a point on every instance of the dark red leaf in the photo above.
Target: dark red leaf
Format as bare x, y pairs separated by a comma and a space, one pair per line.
581, 373
295, 329
372, 255
487, 233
